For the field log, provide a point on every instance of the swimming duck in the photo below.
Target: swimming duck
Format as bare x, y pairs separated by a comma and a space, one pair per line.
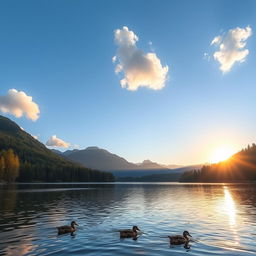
129, 233
67, 229
178, 239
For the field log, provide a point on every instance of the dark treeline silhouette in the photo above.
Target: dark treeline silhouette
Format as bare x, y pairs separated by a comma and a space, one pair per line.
38, 163
241, 167
61, 173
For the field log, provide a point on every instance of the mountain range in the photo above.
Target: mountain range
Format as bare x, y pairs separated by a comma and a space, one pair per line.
101, 159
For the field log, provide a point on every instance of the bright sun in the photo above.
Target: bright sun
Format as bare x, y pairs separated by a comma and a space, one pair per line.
222, 154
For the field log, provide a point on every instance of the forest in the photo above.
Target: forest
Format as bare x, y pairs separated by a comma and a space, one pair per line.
35, 162
241, 167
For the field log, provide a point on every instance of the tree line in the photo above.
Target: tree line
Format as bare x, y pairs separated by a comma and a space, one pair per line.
61, 173
12, 169
241, 167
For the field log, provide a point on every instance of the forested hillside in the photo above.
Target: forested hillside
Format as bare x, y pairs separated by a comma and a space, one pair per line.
241, 167
37, 163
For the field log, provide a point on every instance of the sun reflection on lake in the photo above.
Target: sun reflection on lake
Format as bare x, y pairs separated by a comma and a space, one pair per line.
229, 205
230, 209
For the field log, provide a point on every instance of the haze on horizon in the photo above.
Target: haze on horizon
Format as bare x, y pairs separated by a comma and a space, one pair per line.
178, 88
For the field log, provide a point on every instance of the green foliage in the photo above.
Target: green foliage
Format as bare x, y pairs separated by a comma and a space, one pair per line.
37, 163
241, 167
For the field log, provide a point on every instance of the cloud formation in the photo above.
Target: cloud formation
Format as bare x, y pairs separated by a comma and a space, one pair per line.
18, 103
231, 47
56, 142
139, 68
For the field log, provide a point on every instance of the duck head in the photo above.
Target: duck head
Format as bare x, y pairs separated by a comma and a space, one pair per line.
186, 234
73, 224
135, 228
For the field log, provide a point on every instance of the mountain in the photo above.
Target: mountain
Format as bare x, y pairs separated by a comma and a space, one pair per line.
147, 164
173, 166
123, 170
40, 163
153, 174
58, 152
68, 152
241, 167
100, 159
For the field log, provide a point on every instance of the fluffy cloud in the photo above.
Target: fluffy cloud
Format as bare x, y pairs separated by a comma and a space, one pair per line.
139, 68
231, 47
18, 103
56, 142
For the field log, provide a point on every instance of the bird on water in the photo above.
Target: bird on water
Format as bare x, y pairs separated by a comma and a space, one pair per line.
67, 229
129, 233
180, 239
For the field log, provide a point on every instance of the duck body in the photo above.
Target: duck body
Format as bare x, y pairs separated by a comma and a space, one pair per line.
178, 239
129, 233
67, 229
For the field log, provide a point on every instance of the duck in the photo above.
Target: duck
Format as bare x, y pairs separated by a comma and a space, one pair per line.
178, 239
67, 229
129, 233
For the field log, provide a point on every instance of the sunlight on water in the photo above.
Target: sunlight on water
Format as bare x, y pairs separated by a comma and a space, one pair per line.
231, 212
229, 206
221, 218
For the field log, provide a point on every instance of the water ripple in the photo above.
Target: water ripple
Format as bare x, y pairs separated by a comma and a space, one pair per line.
220, 217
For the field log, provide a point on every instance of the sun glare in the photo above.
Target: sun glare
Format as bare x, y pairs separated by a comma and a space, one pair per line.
222, 154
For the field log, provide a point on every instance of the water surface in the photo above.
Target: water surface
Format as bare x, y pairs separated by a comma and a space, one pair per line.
220, 217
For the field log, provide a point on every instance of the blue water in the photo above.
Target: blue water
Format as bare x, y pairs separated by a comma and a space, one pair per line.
220, 217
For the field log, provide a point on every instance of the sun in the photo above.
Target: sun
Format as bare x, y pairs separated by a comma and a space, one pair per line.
221, 154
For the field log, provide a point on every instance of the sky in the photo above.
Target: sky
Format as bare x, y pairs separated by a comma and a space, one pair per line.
170, 81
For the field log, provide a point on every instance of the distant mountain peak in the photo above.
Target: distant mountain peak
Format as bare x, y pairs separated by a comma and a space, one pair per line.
93, 148
147, 161
101, 159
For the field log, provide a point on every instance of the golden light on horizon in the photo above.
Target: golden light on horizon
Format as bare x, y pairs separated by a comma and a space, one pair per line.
221, 154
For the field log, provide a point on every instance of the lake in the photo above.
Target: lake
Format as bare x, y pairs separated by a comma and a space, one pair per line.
220, 217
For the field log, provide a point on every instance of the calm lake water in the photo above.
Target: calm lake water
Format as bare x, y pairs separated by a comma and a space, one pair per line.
220, 217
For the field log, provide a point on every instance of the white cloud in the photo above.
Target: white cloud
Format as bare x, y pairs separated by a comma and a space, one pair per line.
114, 59
216, 40
18, 103
56, 142
231, 47
207, 56
139, 68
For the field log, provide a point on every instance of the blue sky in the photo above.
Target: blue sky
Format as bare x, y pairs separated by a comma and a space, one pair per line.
60, 53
